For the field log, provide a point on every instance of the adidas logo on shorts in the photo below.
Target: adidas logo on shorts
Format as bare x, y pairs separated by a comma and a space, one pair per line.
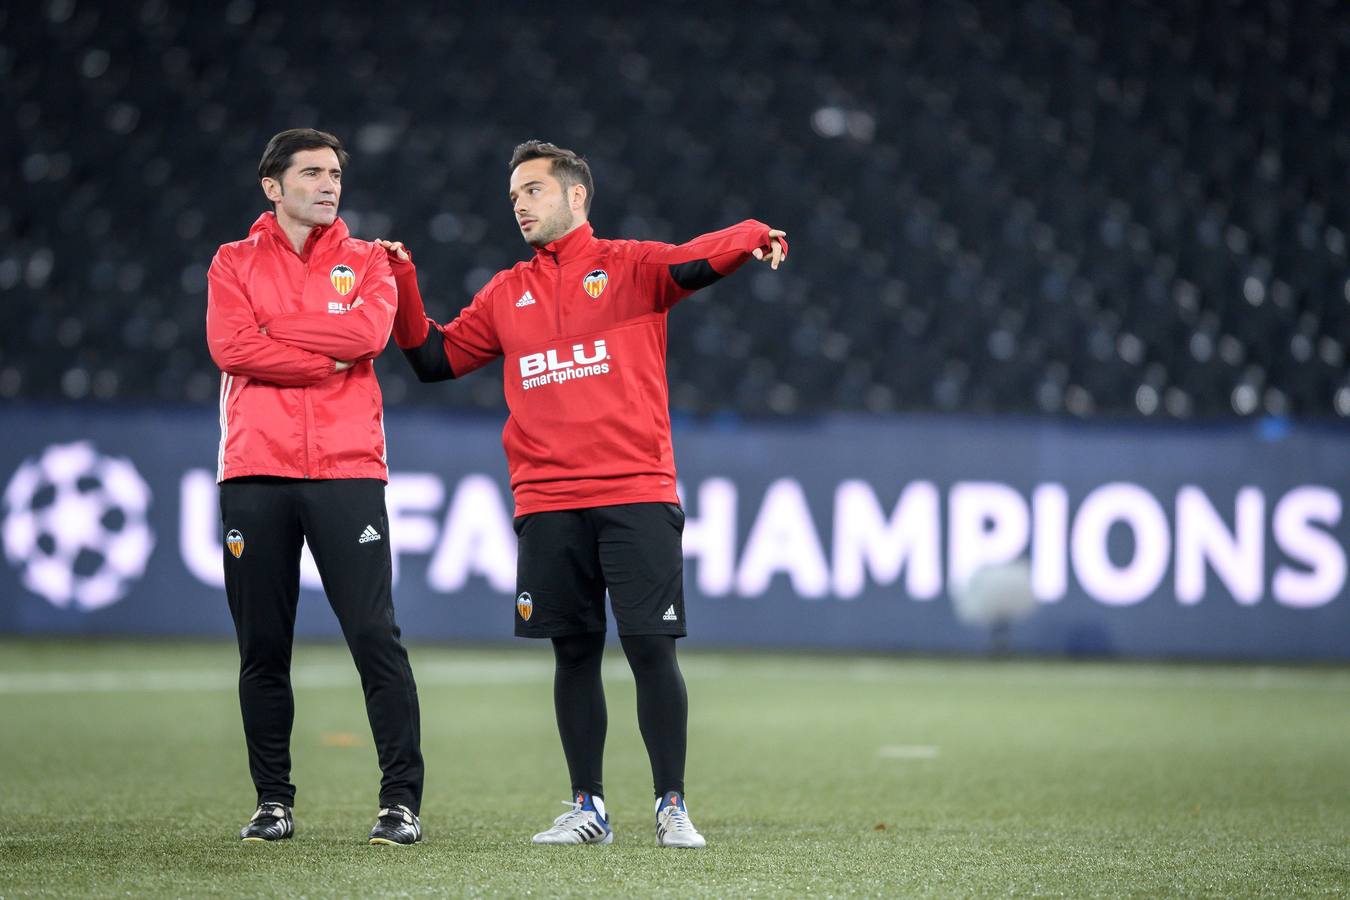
370, 534
670, 615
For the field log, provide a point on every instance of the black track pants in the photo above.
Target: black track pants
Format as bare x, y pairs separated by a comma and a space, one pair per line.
344, 521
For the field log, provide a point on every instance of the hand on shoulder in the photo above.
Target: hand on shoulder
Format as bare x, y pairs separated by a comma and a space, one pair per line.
397, 252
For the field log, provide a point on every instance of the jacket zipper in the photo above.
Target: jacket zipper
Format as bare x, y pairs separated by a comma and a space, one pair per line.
557, 296
309, 409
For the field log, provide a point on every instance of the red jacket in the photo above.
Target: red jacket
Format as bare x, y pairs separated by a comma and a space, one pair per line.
583, 329
284, 409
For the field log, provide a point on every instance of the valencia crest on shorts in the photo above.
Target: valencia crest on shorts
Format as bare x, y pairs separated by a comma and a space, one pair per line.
235, 542
595, 282
525, 605
343, 278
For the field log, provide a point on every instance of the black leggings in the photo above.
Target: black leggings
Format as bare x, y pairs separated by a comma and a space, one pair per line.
662, 706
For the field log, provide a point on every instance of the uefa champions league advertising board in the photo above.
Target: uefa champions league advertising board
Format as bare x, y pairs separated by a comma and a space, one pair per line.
920, 534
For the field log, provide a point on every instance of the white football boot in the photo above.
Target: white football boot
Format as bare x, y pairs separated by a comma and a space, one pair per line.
673, 828
585, 823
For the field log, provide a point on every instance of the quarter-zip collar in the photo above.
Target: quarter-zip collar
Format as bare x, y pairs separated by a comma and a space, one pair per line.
267, 222
568, 247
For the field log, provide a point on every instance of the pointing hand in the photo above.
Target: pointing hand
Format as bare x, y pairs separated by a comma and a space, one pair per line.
777, 251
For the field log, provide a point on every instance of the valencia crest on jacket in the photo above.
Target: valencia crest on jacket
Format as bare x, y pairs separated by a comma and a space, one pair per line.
343, 278
595, 282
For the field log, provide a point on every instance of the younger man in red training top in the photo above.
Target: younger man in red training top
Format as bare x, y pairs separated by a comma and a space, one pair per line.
582, 326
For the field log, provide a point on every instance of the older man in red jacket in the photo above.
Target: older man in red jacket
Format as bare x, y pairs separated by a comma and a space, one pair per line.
295, 314
582, 327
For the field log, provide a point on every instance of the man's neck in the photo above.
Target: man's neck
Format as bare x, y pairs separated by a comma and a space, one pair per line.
296, 232
562, 237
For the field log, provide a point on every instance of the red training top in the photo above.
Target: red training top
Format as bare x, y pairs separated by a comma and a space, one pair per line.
284, 409
582, 326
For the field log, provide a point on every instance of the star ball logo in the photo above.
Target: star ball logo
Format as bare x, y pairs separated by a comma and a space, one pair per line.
75, 526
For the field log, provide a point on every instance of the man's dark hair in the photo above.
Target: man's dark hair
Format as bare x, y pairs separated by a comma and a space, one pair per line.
277, 157
567, 167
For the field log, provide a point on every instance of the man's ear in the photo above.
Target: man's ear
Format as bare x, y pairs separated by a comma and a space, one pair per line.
578, 199
272, 189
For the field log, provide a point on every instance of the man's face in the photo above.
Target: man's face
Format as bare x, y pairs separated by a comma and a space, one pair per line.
543, 210
308, 190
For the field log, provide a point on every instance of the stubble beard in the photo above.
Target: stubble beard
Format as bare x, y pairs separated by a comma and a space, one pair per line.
310, 215
552, 228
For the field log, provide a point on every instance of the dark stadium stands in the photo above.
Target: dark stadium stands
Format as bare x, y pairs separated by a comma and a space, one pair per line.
1095, 208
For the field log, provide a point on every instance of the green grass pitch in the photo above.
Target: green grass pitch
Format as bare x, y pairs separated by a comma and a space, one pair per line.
124, 773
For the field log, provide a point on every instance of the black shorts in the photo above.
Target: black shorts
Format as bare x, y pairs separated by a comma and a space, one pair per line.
568, 559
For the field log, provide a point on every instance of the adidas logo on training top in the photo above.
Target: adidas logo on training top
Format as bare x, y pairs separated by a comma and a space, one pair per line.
525, 299
370, 534
670, 614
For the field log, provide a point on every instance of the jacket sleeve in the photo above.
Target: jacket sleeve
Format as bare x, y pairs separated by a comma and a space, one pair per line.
360, 333
240, 348
436, 352
674, 271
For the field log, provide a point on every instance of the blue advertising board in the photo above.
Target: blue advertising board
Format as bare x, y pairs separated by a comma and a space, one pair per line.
902, 533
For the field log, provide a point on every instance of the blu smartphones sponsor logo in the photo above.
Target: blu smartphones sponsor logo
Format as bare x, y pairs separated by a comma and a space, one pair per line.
537, 369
